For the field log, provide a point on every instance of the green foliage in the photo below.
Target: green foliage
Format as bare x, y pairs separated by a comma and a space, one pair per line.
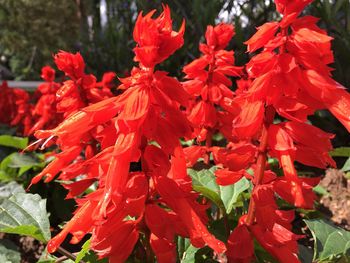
25, 214
330, 242
341, 152
48, 258
189, 254
31, 31
224, 197
13, 141
11, 188
88, 256
16, 164
230, 194
9, 252
346, 166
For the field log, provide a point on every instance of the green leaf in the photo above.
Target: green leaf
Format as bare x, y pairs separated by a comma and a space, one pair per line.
230, 193
305, 254
189, 255
84, 250
5, 177
88, 256
331, 242
9, 252
203, 181
25, 214
48, 258
22, 160
225, 197
346, 166
13, 141
318, 189
341, 152
6, 190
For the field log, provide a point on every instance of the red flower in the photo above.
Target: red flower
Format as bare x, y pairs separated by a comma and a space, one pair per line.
72, 65
48, 73
155, 38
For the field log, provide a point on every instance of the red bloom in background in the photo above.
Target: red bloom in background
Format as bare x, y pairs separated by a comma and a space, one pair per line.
48, 73
45, 113
8, 105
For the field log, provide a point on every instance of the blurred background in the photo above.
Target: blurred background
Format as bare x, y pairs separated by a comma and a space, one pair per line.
31, 31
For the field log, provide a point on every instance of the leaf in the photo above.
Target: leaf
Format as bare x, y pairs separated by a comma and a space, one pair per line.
25, 214
9, 252
318, 189
6, 190
13, 141
330, 241
340, 152
230, 193
203, 181
48, 258
5, 129
18, 160
346, 166
189, 255
16, 164
305, 254
84, 250
225, 197
88, 256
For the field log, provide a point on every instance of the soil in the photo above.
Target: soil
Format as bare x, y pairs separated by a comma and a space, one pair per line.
337, 202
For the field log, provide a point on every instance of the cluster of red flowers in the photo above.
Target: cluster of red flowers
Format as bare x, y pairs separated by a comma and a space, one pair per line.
129, 145
143, 125
31, 112
290, 77
53, 101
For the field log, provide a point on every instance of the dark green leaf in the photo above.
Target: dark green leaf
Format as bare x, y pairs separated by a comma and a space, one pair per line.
305, 254
25, 214
22, 160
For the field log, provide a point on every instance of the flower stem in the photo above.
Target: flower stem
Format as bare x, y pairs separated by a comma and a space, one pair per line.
261, 161
66, 253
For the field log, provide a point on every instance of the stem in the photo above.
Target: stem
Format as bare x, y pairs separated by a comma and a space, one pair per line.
66, 253
209, 138
226, 224
64, 258
181, 247
147, 247
261, 162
